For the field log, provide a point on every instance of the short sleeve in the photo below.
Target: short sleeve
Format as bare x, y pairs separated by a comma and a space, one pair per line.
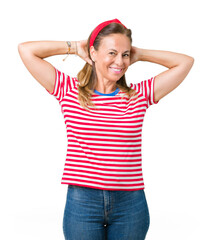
146, 88
63, 84
148, 91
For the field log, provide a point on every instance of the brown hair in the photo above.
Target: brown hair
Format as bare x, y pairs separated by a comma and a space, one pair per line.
87, 76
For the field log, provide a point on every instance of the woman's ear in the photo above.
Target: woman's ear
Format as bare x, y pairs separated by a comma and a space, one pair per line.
93, 53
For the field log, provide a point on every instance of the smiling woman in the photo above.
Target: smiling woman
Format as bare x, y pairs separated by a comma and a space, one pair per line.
103, 166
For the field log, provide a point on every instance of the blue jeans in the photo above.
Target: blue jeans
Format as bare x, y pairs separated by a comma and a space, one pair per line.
95, 214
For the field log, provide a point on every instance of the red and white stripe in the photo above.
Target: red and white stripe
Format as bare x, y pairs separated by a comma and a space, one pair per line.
104, 145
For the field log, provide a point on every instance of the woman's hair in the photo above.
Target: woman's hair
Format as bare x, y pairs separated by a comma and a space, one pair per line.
87, 76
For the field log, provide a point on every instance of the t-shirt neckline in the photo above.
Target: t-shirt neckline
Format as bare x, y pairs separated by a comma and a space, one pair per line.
107, 94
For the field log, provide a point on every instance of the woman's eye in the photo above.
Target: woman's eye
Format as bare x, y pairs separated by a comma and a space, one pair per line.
124, 55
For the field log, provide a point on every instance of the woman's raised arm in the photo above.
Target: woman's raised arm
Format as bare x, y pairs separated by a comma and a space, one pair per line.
179, 66
32, 54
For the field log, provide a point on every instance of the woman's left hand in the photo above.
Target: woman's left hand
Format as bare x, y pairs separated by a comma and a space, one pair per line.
82, 51
134, 55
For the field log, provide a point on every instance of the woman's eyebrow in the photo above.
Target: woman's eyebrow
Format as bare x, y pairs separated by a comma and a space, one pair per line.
116, 50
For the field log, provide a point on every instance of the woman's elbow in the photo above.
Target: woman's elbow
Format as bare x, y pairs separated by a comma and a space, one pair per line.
188, 63
190, 60
21, 47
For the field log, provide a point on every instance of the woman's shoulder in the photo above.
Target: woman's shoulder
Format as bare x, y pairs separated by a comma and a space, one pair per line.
143, 86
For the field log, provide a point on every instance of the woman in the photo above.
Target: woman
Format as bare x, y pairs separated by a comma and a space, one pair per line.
104, 118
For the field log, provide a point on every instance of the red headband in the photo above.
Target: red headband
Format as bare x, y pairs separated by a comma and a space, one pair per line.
100, 27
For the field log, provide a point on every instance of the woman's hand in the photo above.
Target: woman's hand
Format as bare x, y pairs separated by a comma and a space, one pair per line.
82, 51
134, 54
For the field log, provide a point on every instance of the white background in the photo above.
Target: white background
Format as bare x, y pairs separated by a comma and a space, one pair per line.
176, 134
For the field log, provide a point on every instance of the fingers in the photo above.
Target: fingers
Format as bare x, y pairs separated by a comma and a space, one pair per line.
88, 60
83, 52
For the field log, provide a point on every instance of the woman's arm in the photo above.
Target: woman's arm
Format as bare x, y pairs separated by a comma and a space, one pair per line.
32, 54
179, 66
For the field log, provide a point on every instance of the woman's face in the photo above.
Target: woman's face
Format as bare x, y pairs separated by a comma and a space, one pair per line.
113, 57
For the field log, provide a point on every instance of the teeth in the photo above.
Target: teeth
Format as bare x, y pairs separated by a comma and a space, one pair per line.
117, 69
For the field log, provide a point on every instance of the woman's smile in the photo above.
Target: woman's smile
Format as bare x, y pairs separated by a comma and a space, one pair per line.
116, 70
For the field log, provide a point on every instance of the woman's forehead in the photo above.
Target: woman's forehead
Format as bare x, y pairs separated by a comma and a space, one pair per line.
115, 41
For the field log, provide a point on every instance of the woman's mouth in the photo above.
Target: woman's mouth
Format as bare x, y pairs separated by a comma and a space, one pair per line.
116, 70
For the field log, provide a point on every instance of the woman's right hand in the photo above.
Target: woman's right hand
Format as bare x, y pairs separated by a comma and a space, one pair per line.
82, 51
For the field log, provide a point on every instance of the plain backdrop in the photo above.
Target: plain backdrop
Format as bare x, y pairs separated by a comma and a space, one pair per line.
176, 133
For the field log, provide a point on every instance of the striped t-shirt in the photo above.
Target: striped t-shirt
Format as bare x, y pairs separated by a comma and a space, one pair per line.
104, 146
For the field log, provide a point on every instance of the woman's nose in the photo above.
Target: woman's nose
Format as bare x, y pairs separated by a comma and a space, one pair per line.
119, 60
